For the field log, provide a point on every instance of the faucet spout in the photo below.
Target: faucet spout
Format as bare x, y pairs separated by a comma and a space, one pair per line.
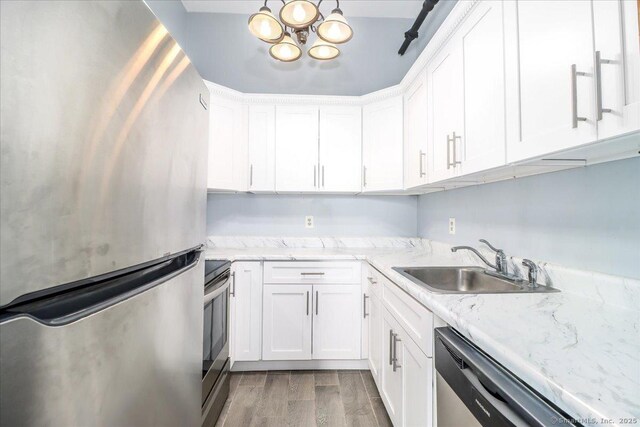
469, 248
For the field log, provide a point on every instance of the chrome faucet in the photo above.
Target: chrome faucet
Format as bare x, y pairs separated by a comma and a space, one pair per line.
501, 259
533, 272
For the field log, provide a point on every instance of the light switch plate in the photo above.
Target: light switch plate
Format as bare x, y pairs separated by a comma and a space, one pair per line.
308, 221
452, 226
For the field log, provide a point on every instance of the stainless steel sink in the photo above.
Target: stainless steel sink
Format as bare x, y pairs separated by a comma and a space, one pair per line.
466, 280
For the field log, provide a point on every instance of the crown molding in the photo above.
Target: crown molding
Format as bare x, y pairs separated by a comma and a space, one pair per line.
457, 15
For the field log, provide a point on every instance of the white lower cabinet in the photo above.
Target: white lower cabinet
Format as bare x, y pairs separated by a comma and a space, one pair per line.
295, 316
287, 322
336, 322
246, 311
374, 341
407, 374
391, 387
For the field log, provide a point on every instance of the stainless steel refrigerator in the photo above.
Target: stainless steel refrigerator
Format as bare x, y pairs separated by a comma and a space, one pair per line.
103, 196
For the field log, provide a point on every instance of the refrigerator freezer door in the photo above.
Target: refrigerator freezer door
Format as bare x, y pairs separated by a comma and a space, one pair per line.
104, 143
135, 363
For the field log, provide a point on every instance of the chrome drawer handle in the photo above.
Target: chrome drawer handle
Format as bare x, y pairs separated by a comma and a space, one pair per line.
312, 274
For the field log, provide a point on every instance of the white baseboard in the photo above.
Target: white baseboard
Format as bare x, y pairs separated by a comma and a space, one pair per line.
295, 365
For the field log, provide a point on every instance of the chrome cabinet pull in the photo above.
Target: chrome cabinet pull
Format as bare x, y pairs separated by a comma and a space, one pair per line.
364, 176
370, 279
364, 306
250, 175
599, 62
312, 273
233, 284
322, 176
390, 346
574, 97
307, 303
451, 141
423, 155
317, 302
315, 173
396, 340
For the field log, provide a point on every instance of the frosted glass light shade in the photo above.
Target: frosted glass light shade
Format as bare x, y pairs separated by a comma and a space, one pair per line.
299, 14
286, 50
323, 50
335, 28
265, 26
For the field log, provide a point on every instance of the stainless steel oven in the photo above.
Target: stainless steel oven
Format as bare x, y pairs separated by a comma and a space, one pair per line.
215, 349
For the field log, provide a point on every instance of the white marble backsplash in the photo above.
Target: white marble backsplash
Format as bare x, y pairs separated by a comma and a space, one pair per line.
238, 242
607, 289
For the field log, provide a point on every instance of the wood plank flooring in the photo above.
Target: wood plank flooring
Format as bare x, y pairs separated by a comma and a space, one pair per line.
304, 399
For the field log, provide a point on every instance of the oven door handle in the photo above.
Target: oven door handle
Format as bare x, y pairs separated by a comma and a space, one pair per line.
216, 289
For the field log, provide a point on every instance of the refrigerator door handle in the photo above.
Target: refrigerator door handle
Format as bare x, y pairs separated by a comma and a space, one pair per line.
101, 292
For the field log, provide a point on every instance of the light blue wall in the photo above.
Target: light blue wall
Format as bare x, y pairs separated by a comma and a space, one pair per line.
224, 52
283, 215
587, 218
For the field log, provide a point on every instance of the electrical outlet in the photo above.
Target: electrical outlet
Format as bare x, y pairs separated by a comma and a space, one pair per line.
308, 221
452, 226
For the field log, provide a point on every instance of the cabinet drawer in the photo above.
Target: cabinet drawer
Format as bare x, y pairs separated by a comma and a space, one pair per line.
412, 316
347, 272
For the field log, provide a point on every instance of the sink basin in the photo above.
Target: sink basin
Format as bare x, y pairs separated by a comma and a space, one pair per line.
466, 280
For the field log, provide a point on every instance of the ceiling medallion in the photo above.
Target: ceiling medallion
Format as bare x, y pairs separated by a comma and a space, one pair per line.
302, 18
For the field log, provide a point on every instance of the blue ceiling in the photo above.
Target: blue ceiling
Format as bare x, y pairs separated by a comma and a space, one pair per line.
224, 52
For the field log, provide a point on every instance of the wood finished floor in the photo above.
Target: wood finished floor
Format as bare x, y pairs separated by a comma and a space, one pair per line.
303, 398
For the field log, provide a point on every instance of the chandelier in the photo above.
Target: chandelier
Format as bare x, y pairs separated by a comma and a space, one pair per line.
301, 17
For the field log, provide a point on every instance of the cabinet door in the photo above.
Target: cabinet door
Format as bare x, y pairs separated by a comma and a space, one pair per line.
340, 149
376, 336
227, 146
246, 310
262, 148
415, 133
417, 388
382, 146
391, 389
617, 64
336, 323
445, 123
286, 322
552, 37
481, 37
296, 149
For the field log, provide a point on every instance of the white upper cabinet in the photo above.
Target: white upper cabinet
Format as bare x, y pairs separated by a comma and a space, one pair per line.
552, 84
617, 65
382, 146
466, 109
340, 149
296, 149
445, 112
227, 145
262, 148
415, 133
481, 38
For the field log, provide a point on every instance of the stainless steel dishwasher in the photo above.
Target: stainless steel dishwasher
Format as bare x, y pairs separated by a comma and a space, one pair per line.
474, 390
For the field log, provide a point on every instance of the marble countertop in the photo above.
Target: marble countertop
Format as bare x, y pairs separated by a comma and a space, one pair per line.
579, 349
